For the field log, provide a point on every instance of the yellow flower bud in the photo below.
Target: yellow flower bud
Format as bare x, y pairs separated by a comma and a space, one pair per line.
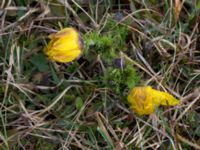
144, 100
65, 46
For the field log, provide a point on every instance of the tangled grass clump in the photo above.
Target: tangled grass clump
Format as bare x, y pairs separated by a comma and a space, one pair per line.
83, 104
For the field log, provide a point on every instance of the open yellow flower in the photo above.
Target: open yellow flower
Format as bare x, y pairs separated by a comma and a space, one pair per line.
144, 100
65, 46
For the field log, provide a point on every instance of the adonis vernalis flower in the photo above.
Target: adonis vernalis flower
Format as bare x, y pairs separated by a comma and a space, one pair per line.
144, 100
65, 46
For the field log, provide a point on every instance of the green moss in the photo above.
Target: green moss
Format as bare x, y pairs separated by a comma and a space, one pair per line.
108, 44
119, 79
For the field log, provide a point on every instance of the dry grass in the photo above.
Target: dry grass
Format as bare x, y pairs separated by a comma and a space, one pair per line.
82, 105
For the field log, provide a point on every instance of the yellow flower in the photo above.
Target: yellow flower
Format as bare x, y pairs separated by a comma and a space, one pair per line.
65, 46
144, 100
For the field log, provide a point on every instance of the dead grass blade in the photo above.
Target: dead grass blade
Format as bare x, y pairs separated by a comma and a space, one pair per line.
184, 140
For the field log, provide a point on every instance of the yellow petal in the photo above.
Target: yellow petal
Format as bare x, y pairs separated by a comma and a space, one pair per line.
144, 100
66, 43
64, 46
59, 57
167, 99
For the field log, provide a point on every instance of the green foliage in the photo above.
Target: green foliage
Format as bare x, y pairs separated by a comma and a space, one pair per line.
98, 44
105, 138
119, 79
45, 144
108, 46
34, 114
72, 67
40, 62
78, 103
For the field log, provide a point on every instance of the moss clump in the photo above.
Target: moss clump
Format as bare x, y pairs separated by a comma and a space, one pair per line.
117, 74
